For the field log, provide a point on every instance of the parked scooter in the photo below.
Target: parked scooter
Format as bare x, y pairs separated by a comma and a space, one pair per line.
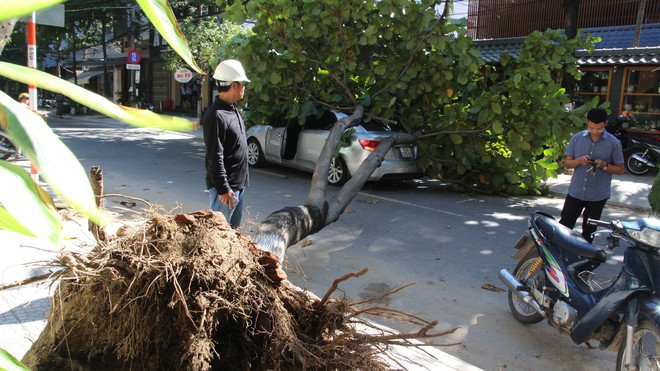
642, 156
7, 148
555, 280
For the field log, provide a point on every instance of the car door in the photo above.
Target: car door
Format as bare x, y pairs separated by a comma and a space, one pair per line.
275, 139
312, 139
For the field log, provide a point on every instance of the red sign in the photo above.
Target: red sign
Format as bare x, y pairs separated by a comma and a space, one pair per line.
133, 57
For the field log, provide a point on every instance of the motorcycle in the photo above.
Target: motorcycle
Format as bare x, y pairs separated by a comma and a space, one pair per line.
7, 148
642, 156
63, 106
555, 280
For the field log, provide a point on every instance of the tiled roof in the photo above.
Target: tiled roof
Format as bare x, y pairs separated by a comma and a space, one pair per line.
618, 37
492, 49
615, 47
631, 56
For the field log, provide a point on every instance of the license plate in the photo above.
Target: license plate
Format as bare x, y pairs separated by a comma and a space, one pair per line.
406, 152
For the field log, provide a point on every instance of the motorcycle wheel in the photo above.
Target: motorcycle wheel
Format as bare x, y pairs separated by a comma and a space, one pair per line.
635, 167
646, 349
520, 310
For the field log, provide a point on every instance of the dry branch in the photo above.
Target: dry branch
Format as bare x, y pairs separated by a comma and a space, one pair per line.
335, 285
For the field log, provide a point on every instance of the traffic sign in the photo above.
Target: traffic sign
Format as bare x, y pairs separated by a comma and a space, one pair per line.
133, 57
132, 66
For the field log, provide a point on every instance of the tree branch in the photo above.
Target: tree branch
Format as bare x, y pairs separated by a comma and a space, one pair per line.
447, 132
316, 195
339, 202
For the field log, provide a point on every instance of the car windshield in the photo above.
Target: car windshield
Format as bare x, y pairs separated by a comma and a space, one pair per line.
374, 125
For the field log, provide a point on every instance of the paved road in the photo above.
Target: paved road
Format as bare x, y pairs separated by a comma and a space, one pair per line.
448, 245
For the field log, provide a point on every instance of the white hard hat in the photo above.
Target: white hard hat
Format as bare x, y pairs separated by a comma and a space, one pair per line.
228, 71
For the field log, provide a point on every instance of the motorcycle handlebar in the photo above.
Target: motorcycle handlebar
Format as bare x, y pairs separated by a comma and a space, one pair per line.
599, 223
615, 226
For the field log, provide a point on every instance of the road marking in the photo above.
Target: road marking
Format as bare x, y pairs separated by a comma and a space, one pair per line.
270, 173
393, 200
409, 204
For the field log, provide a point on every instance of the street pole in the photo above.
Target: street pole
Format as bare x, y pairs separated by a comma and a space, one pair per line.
32, 63
638, 23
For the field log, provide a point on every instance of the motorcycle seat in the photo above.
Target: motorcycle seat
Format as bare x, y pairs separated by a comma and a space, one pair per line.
567, 239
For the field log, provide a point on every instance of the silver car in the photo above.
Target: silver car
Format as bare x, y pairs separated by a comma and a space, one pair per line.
286, 142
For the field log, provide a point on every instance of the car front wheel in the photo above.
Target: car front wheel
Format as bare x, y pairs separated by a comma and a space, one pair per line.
255, 155
338, 173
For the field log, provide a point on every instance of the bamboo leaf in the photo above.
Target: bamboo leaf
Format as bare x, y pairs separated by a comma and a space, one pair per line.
27, 208
55, 162
131, 116
10, 223
161, 16
11, 9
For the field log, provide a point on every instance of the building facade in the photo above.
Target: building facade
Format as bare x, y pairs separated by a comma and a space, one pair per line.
624, 70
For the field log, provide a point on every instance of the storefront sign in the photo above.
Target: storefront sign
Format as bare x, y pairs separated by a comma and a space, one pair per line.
183, 75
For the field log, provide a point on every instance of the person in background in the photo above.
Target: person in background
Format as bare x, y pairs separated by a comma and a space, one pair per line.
189, 96
226, 143
184, 97
24, 98
595, 155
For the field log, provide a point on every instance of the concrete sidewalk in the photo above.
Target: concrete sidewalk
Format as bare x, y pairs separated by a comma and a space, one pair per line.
627, 190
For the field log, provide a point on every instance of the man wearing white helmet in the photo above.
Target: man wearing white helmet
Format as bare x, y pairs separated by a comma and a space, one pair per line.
226, 144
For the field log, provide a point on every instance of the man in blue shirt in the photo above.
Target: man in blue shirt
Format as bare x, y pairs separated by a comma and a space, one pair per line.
595, 155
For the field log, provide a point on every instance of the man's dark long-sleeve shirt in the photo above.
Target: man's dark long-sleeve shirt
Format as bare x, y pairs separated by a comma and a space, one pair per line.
226, 148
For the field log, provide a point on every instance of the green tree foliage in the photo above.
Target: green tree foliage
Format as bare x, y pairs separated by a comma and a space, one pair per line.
497, 129
209, 40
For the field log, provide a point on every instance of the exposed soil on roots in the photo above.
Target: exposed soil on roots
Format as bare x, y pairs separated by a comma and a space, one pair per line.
188, 292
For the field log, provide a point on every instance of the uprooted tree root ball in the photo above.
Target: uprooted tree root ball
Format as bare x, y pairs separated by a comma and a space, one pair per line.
188, 292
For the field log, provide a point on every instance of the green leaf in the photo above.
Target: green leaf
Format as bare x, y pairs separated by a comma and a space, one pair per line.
552, 166
498, 180
275, 78
556, 130
9, 363
366, 100
497, 127
55, 162
27, 208
456, 138
10, 223
132, 116
308, 108
161, 16
11, 9
496, 108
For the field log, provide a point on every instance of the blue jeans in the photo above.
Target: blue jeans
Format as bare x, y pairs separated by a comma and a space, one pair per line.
233, 216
